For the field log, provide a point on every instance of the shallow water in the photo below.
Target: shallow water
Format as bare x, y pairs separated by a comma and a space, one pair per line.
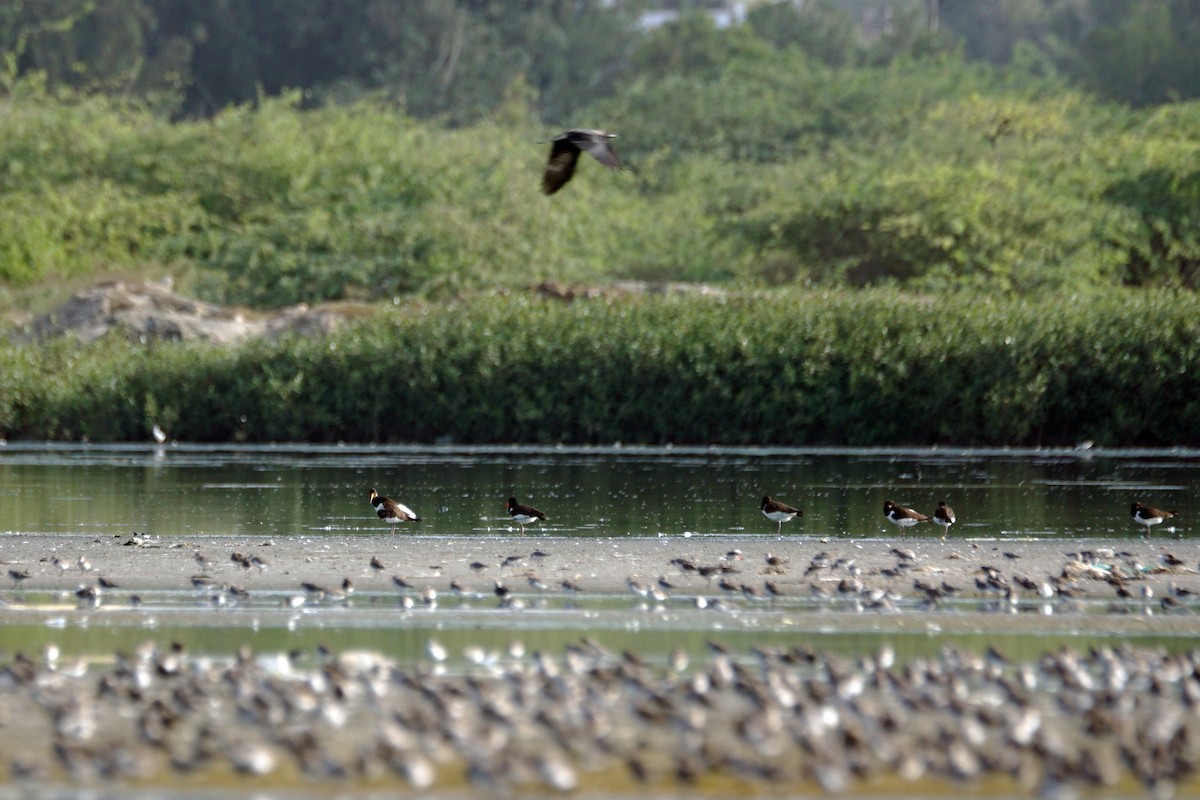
288, 489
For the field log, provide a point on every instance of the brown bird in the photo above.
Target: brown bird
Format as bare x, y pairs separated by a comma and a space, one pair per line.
1146, 515
904, 517
779, 512
521, 513
944, 516
390, 511
564, 155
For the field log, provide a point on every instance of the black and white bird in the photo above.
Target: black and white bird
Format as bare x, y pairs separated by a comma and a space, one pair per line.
944, 516
904, 517
390, 511
779, 512
1147, 515
564, 155
522, 514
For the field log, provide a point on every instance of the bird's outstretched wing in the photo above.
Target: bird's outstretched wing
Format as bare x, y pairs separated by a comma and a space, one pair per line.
561, 165
598, 144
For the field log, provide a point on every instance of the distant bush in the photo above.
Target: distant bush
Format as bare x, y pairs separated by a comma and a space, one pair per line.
803, 368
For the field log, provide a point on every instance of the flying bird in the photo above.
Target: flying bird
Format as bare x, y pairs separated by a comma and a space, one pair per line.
521, 513
390, 511
564, 155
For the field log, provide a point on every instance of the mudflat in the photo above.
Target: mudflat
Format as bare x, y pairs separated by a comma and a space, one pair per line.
1149, 569
781, 716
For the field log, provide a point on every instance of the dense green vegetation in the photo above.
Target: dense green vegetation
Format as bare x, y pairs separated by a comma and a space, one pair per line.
996, 182
871, 367
932, 173
787, 151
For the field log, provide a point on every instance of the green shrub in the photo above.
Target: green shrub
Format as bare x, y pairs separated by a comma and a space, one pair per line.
926, 173
873, 367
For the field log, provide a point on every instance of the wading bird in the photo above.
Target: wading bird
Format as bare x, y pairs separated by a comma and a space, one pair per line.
1146, 515
944, 516
521, 513
390, 511
779, 512
904, 517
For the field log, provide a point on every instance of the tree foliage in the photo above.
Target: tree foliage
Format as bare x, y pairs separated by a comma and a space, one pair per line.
760, 155
454, 58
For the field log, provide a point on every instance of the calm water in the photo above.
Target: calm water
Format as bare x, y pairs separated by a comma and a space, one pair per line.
280, 490
183, 490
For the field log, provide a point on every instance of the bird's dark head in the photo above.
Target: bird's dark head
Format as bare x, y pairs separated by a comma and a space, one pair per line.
374, 494
510, 503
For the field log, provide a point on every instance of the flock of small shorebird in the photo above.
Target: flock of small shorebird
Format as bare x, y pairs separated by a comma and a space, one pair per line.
394, 512
787, 717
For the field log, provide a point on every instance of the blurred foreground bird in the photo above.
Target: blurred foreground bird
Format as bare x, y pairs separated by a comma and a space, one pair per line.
564, 155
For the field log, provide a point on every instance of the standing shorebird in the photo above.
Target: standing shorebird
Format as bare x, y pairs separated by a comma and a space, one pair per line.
1146, 515
522, 514
564, 155
944, 516
779, 512
390, 511
904, 517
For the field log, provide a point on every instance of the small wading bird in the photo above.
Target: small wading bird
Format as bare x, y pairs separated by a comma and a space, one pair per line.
521, 513
1146, 515
904, 517
390, 511
779, 512
564, 155
944, 516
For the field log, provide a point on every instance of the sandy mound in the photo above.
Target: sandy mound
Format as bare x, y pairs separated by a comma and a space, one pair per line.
151, 311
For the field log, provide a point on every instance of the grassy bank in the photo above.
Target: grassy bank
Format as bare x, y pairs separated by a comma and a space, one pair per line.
854, 368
